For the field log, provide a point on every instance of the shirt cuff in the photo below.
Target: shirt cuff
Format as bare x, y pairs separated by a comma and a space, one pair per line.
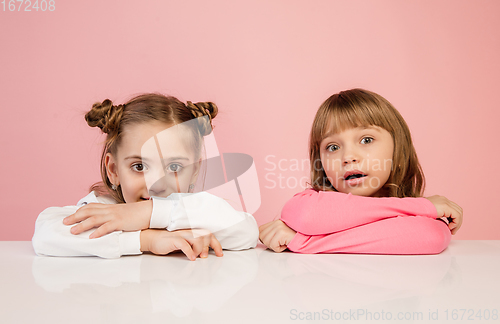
160, 216
296, 242
130, 243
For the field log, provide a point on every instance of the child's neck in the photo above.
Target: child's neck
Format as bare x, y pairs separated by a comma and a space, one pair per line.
383, 192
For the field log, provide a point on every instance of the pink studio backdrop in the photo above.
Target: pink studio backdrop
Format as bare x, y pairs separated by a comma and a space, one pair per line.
268, 65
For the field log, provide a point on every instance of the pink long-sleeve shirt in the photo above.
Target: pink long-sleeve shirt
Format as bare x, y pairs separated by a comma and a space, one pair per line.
334, 222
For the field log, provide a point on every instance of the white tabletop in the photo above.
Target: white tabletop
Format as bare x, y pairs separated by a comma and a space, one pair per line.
462, 284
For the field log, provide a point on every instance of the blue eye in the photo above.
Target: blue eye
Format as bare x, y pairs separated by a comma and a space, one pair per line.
368, 140
332, 147
139, 167
174, 167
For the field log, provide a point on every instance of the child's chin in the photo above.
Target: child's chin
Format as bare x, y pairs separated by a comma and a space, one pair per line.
366, 192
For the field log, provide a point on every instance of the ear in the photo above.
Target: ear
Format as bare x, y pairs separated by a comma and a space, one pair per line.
111, 169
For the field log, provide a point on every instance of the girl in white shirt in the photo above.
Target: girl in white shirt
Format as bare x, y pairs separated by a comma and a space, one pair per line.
149, 166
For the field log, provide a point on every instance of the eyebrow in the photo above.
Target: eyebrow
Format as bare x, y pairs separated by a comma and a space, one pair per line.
375, 128
137, 157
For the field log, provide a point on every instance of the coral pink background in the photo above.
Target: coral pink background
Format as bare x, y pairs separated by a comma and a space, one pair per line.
268, 65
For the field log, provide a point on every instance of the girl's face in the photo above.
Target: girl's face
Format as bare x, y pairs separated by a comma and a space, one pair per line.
153, 159
358, 160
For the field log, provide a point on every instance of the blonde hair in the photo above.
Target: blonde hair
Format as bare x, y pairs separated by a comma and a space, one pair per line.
112, 119
358, 107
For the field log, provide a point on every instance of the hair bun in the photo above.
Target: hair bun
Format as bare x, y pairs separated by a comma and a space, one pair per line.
105, 115
201, 109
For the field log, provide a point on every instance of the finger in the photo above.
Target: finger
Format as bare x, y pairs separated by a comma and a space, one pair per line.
216, 246
82, 226
283, 242
197, 246
457, 206
77, 217
69, 220
185, 247
275, 243
456, 216
82, 213
91, 222
206, 246
262, 238
460, 218
278, 247
204, 252
266, 237
264, 227
104, 229
456, 226
449, 212
453, 228
268, 226
282, 248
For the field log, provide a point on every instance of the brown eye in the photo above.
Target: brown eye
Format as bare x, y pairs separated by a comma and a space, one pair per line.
139, 167
332, 147
366, 140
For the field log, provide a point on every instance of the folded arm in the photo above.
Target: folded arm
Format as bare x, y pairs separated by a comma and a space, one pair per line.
397, 235
235, 230
314, 212
53, 238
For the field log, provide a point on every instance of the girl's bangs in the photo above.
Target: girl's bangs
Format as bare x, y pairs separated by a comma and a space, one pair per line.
340, 119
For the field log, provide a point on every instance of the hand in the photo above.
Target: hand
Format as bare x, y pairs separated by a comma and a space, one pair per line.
109, 218
449, 209
192, 243
276, 235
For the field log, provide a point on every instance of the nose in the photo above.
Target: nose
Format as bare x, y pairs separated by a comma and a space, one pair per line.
350, 155
156, 181
159, 188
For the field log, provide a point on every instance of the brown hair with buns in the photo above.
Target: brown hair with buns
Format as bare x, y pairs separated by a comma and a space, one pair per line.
113, 119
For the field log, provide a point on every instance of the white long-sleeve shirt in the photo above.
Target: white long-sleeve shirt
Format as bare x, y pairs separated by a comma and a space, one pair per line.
235, 230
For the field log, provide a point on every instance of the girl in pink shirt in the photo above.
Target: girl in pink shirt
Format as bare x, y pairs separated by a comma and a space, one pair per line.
366, 190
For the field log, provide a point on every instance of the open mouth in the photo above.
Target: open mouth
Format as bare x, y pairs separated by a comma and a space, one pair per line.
353, 174
142, 198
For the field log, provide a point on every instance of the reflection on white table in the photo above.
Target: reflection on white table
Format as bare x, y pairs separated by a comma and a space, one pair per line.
460, 285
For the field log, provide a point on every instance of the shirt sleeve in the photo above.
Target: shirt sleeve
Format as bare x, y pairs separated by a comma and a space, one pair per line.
397, 235
235, 230
53, 238
314, 212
